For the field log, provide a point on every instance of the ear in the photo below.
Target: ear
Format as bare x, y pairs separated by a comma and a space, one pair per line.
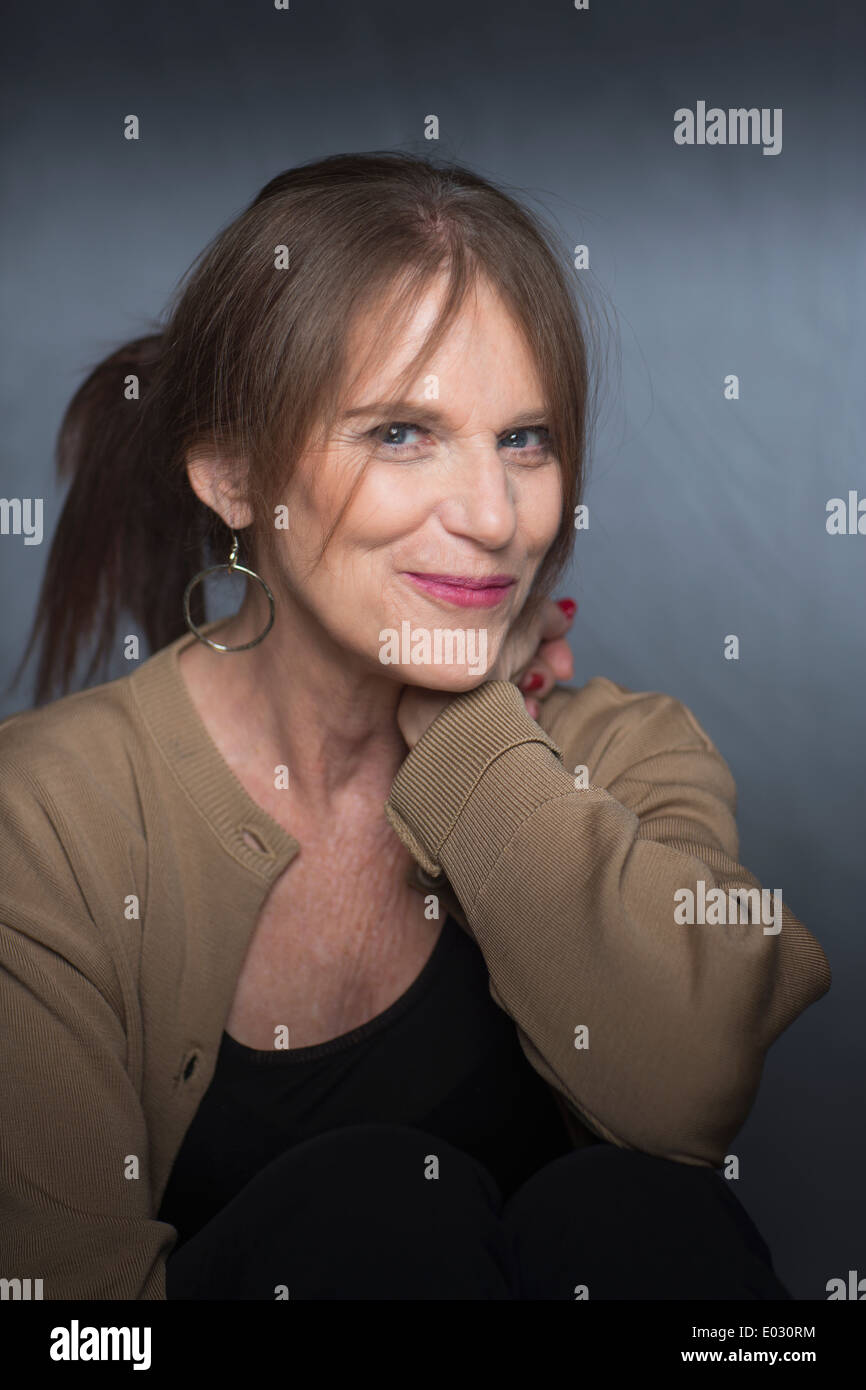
221, 485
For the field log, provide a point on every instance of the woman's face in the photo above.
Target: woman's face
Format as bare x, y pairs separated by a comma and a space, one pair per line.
462, 483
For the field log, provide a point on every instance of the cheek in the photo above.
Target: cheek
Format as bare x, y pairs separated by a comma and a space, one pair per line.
388, 504
541, 511
382, 511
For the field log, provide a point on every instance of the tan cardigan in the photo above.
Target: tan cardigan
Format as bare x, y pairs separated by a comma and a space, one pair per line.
653, 1032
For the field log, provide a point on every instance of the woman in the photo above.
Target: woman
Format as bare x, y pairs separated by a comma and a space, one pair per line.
334, 969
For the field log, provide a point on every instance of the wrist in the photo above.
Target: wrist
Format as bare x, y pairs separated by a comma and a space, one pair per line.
417, 710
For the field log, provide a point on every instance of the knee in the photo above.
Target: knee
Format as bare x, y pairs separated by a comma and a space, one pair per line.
383, 1209
622, 1182
604, 1187
378, 1162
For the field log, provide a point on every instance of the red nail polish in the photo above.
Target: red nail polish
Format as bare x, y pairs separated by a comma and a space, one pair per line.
568, 606
533, 682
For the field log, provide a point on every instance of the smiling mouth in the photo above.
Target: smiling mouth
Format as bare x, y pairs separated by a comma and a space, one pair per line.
463, 591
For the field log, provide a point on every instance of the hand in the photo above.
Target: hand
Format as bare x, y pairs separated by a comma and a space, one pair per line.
536, 655
535, 649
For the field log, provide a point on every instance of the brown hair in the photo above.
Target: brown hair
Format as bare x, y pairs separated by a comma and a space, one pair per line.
252, 358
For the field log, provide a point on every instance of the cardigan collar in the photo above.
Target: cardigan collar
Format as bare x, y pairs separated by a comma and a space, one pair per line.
177, 727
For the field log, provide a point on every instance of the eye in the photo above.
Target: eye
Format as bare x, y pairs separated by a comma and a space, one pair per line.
390, 435
522, 432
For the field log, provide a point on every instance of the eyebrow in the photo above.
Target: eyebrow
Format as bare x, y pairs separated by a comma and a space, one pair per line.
425, 414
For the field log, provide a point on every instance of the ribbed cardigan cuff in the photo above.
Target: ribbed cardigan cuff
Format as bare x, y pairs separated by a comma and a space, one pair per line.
451, 761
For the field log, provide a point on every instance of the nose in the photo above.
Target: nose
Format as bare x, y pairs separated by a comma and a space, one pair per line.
478, 498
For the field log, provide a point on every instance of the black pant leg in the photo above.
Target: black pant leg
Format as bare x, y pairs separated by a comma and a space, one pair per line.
350, 1214
629, 1225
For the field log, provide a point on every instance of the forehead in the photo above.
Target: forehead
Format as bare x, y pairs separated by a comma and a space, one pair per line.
483, 348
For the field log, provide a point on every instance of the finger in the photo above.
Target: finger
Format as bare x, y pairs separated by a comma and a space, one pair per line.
532, 708
559, 657
555, 622
538, 680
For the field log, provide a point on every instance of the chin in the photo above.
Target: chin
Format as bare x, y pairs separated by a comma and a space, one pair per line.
450, 680
453, 658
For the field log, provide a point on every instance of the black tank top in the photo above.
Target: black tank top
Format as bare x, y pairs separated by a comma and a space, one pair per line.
443, 1058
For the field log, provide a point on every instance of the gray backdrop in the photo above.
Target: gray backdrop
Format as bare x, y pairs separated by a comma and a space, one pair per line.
707, 515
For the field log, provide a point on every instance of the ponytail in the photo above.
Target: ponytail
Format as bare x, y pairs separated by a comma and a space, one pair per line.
131, 528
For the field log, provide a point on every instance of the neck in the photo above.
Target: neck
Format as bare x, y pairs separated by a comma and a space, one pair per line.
302, 700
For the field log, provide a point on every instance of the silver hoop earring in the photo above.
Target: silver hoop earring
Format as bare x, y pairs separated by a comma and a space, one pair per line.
233, 567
